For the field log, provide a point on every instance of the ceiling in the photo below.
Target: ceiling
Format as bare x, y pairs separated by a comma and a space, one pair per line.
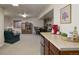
33, 10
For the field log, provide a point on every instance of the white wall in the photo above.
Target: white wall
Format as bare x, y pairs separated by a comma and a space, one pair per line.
57, 17
35, 22
51, 7
74, 17
1, 27
8, 22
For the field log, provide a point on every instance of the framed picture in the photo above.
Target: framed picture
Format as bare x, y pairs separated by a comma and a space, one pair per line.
65, 15
17, 23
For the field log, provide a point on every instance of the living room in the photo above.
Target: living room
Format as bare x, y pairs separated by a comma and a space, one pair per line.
26, 28
39, 29
16, 31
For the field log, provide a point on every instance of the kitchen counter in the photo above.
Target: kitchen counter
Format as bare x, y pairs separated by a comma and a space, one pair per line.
61, 43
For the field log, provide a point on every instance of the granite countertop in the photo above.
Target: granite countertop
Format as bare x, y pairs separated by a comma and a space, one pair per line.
61, 43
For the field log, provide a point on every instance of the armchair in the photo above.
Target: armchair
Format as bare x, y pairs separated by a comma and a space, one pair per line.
10, 37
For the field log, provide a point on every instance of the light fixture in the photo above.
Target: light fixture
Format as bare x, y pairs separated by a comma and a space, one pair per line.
15, 4
23, 15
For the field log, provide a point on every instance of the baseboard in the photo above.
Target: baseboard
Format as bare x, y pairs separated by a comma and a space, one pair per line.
1, 44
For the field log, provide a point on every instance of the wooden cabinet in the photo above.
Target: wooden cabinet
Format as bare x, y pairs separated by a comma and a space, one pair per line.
69, 52
53, 49
42, 46
51, 52
49, 48
26, 28
46, 50
46, 47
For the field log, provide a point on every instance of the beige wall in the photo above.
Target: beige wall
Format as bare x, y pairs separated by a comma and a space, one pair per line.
1, 27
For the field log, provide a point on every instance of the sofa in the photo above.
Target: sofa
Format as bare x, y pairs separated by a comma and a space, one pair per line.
10, 37
40, 29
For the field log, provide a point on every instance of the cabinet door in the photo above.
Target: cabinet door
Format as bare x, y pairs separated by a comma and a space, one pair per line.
46, 50
53, 49
51, 53
42, 46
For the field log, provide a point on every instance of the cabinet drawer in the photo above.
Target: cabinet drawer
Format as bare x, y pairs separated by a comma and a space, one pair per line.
54, 49
47, 42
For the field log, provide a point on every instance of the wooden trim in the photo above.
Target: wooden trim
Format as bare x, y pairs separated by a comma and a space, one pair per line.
69, 53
